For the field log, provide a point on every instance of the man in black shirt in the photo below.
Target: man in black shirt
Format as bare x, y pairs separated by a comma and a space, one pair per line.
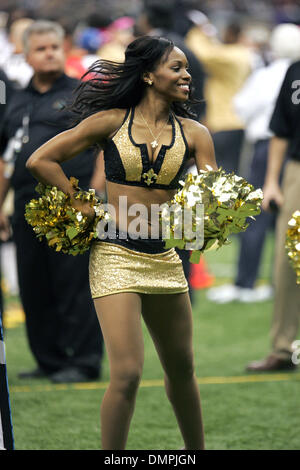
285, 124
62, 326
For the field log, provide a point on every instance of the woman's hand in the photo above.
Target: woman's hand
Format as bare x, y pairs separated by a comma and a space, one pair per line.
85, 208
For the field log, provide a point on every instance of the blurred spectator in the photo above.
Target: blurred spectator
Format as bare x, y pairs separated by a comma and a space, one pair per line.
89, 40
257, 39
81, 50
5, 46
62, 326
73, 63
6, 92
157, 19
285, 124
120, 34
256, 108
227, 65
15, 66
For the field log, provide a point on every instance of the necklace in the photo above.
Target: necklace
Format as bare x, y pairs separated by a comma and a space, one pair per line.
154, 143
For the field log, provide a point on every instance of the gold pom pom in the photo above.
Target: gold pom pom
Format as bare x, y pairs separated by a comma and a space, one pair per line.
293, 243
53, 217
227, 201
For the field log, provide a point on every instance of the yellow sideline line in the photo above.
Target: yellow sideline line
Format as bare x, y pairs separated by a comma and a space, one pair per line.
158, 383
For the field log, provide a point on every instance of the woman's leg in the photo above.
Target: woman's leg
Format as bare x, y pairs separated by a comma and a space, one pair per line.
120, 320
169, 321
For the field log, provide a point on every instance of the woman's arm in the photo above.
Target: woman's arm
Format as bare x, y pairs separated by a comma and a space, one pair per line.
202, 146
45, 162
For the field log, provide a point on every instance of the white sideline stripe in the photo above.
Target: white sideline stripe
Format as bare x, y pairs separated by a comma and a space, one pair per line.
2, 352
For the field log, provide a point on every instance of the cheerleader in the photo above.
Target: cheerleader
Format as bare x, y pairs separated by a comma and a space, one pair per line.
139, 113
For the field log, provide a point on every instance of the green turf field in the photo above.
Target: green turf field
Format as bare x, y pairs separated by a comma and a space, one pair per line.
241, 411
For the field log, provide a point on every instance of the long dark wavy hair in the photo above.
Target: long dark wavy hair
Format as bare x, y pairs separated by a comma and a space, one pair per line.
108, 84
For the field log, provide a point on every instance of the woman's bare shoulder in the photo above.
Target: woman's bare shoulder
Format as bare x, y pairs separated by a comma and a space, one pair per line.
110, 117
193, 127
200, 143
105, 122
197, 135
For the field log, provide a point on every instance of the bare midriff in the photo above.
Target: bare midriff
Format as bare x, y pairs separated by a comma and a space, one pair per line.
122, 198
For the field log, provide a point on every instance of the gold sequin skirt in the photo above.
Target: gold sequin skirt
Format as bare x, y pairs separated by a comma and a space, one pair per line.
114, 268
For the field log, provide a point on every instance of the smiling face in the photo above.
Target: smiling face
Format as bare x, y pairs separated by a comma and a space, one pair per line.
171, 78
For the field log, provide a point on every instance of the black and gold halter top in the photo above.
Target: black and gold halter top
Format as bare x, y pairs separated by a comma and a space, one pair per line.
127, 162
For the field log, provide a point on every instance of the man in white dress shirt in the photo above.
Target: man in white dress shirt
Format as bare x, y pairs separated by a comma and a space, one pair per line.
255, 104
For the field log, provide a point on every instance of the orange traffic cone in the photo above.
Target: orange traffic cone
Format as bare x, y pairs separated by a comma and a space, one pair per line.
200, 278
